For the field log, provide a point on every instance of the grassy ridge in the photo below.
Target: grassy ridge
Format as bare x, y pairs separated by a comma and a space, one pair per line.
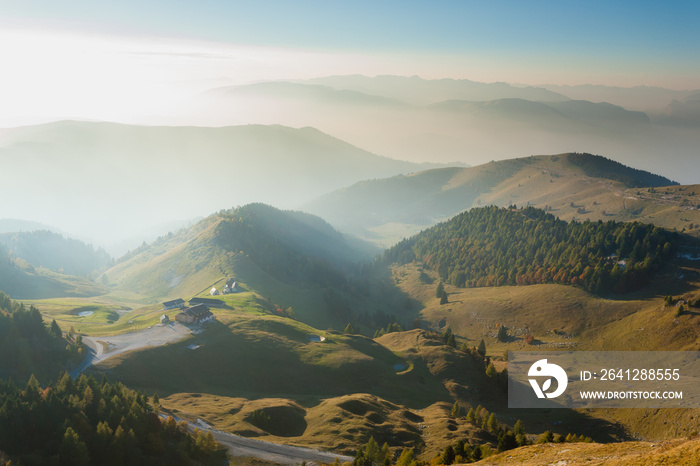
422, 199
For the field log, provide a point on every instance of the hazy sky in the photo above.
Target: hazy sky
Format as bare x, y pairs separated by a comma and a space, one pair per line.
112, 60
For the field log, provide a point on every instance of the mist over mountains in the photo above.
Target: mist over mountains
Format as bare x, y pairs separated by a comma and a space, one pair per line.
286, 143
111, 181
446, 120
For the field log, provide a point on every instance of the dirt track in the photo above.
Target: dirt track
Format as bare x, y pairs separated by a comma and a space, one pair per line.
102, 348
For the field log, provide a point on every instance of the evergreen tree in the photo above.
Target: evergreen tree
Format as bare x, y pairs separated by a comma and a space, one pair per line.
507, 442
454, 413
519, 428
476, 453
502, 334
349, 329
491, 370
385, 454
440, 291
492, 424
546, 437
55, 330
481, 349
448, 455
372, 451
73, 450
406, 458
443, 298
470, 415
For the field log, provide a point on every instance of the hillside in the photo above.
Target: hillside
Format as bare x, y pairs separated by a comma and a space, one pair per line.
682, 451
493, 246
86, 422
385, 210
30, 348
24, 281
333, 394
287, 257
51, 250
127, 178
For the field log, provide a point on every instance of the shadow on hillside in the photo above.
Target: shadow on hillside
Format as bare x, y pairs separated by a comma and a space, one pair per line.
564, 421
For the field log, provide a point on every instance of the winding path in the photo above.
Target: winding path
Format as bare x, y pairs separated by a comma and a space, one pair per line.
274, 452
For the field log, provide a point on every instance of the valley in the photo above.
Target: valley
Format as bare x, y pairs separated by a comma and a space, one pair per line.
349, 233
321, 348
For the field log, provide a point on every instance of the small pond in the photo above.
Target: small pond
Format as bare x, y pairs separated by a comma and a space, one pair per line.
85, 313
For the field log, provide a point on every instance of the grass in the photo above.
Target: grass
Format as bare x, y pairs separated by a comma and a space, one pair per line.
681, 451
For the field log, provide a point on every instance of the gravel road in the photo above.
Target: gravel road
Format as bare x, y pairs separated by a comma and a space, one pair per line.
102, 348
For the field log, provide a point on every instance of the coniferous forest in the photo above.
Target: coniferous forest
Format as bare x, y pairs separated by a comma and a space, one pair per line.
78, 422
84, 422
494, 246
28, 346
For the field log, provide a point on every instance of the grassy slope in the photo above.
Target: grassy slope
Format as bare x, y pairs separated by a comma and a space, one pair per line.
681, 452
538, 181
563, 317
303, 384
191, 263
333, 394
25, 282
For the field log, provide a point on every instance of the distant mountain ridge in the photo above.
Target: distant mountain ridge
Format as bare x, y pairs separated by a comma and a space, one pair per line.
24, 281
385, 210
444, 120
113, 175
425, 91
51, 250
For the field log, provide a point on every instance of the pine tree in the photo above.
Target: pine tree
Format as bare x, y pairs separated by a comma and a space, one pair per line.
55, 330
448, 455
454, 413
350, 329
493, 424
519, 428
470, 415
507, 442
73, 450
372, 451
502, 334
406, 458
546, 437
491, 370
481, 349
440, 291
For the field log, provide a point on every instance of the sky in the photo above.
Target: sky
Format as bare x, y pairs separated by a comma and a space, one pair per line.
147, 61
113, 60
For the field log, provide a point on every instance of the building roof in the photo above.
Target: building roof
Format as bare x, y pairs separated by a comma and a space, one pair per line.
198, 312
208, 301
174, 302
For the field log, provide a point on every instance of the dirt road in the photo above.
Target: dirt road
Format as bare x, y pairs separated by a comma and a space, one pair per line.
274, 452
102, 348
